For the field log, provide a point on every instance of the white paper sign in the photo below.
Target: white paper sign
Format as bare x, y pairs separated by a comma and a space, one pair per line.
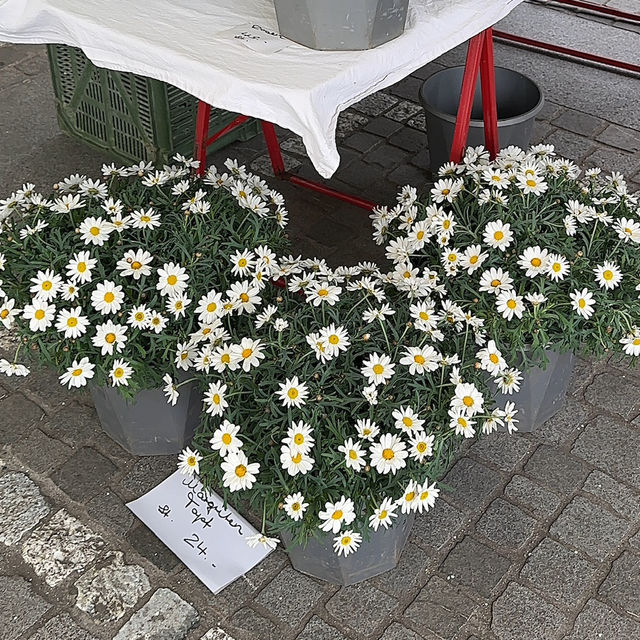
258, 38
195, 525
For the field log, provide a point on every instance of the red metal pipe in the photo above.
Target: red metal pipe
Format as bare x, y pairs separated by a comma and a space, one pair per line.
488, 85
230, 127
328, 191
582, 55
273, 146
202, 130
598, 8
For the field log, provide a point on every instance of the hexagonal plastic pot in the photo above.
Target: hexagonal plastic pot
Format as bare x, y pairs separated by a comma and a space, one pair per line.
341, 25
542, 391
377, 555
148, 426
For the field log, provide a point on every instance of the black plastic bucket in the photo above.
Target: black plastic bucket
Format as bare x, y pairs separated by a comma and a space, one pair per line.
518, 99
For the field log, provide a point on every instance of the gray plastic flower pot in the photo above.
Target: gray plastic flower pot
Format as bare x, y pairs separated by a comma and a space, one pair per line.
375, 556
542, 391
341, 25
518, 99
148, 426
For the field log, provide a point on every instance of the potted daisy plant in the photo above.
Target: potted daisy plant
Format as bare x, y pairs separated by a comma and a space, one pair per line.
105, 279
547, 254
334, 405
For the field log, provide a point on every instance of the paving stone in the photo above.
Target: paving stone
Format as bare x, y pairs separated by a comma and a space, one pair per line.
506, 525
519, 610
419, 122
439, 608
383, 127
403, 111
635, 541
361, 606
22, 507
562, 427
294, 144
375, 104
19, 416
476, 566
532, 496
422, 160
386, 156
556, 469
165, 617
111, 512
408, 88
612, 446
624, 500
580, 378
106, 592
597, 619
408, 140
21, 606
61, 547
85, 474
259, 628
610, 159
360, 176
399, 632
147, 473
606, 392
506, 452
44, 384
436, 527
148, 545
62, 627
558, 572
622, 585
581, 123
408, 575
570, 145
362, 141
590, 528
75, 424
408, 174
472, 483
290, 595
348, 122
621, 137
262, 164
318, 629
41, 453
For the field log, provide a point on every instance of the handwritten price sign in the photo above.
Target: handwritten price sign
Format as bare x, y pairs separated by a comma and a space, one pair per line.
196, 526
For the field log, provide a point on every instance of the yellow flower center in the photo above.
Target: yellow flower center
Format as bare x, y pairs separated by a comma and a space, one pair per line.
582, 303
139, 316
136, 265
118, 373
446, 224
333, 339
407, 422
424, 316
295, 506
494, 358
72, 322
420, 235
424, 495
628, 231
172, 279
244, 297
178, 305
406, 274
47, 284
76, 372
109, 297
531, 183
226, 358
82, 267
293, 393
636, 342
4, 313
298, 438
241, 471
216, 398
145, 219
410, 496
323, 293
462, 422
446, 192
242, 263
536, 262
246, 353
345, 541
495, 283
557, 267
39, 314
419, 359
511, 303
297, 459
473, 259
184, 355
383, 515
353, 455
378, 369
337, 515
498, 235
388, 454
211, 307
452, 257
110, 338
226, 439
467, 401
421, 447
94, 231
608, 274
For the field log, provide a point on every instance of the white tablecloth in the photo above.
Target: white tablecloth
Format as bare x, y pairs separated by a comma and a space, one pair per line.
183, 42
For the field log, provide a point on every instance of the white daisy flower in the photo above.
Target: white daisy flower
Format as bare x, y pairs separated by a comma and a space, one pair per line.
249, 353
46, 285
533, 261
408, 502
427, 495
557, 267
388, 455
292, 393
139, 317
608, 275
107, 297
472, 258
377, 369
13, 368
334, 339
370, 394
631, 342
299, 437
494, 421
214, 398
80, 266
112, 207
280, 324
491, 359
8, 312
135, 263
69, 291
71, 322
366, 429
239, 474
508, 303
95, 231
582, 302
347, 542
172, 279
536, 299
570, 226
628, 229
420, 445
319, 292
420, 359
189, 462
244, 296
78, 373
336, 514
467, 399
509, 381
509, 412
142, 219
295, 462
170, 390
532, 183
225, 438
67, 203
462, 423
260, 538
353, 454
39, 314
446, 190
295, 506
177, 305
495, 280
498, 235
406, 419
185, 355
225, 357
209, 307
121, 372
383, 514
424, 316
377, 314
120, 223
110, 336
242, 262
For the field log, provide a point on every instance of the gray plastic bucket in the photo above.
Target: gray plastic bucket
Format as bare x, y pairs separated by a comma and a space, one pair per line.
377, 555
518, 99
542, 391
341, 25
149, 426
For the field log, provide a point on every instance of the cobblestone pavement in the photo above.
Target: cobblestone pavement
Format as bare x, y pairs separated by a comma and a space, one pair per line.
538, 537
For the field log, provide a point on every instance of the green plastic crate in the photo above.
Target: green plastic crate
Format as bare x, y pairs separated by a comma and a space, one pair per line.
128, 116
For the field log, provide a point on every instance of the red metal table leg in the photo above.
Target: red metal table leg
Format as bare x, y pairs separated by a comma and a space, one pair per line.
488, 83
202, 131
273, 146
466, 97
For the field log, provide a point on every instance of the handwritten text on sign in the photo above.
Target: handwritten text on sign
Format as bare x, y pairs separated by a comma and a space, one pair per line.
207, 536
